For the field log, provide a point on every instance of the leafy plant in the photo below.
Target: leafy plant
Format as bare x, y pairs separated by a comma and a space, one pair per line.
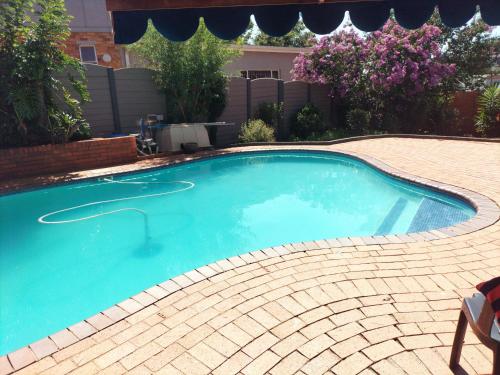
189, 73
270, 113
488, 115
472, 49
390, 72
35, 106
256, 131
358, 120
308, 121
299, 36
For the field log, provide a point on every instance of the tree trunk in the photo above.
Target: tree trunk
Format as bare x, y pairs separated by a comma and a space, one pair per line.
43, 116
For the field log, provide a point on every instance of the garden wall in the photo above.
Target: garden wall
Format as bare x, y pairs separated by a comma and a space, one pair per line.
295, 95
236, 111
99, 112
466, 103
120, 97
136, 97
74, 156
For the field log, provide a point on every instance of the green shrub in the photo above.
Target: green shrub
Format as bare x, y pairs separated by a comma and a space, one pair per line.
190, 74
488, 114
358, 121
256, 131
446, 120
307, 122
270, 113
36, 107
65, 126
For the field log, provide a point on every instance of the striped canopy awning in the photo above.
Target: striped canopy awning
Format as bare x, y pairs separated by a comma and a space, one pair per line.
178, 20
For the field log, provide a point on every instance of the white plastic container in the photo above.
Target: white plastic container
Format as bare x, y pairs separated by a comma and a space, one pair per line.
170, 138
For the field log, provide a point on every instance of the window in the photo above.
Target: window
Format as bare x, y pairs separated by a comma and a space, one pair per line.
88, 54
255, 74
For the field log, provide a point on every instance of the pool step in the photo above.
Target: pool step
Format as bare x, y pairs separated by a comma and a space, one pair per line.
392, 217
432, 214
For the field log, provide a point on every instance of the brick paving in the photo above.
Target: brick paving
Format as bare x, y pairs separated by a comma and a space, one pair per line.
384, 306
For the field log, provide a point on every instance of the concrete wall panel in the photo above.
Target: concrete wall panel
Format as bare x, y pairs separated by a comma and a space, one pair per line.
137, 97
321, 99
235, 111
98, 111
295, 97
263, 90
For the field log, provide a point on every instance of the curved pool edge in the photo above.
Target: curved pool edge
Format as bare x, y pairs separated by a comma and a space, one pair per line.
487, 214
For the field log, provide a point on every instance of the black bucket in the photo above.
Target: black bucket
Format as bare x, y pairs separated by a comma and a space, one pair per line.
190, 147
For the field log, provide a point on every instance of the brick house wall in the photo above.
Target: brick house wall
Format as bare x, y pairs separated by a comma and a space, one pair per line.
264, 58
91, 26
104, 44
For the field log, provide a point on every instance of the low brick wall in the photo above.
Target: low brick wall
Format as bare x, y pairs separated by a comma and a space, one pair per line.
70, 157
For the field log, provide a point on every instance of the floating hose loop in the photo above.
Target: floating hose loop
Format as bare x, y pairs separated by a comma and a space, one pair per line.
43, 219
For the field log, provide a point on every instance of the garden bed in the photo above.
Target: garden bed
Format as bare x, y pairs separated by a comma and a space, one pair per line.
69, 157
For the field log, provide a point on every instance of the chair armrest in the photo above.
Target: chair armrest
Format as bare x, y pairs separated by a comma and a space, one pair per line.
486, 319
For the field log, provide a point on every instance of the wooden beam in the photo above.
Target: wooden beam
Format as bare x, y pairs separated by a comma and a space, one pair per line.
115, 5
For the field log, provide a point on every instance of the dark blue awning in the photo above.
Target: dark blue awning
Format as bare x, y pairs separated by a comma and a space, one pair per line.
230, 22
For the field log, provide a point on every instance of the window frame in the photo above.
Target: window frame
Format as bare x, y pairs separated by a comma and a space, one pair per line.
274, 73
88, 45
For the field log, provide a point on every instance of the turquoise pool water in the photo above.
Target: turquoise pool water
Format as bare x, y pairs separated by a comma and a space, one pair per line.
94, 255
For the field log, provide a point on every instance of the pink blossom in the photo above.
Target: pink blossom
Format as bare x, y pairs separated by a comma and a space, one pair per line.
392, 60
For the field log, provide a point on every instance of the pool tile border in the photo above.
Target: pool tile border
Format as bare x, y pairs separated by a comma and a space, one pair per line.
487, 214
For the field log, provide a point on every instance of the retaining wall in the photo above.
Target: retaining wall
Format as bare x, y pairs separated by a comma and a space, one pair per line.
69, 157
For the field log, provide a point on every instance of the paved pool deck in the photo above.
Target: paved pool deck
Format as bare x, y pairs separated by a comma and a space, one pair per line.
384, 305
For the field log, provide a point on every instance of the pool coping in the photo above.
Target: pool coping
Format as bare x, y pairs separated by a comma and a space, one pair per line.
487, 214
371, 136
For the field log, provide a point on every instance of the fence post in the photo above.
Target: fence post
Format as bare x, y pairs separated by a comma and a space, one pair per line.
114, 101
282, 128
281, 91
249, 99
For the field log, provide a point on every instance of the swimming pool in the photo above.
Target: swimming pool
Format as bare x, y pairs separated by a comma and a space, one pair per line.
70, 251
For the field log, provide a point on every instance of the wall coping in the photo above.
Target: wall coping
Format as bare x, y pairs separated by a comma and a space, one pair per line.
366, 137
60, 145
67, 157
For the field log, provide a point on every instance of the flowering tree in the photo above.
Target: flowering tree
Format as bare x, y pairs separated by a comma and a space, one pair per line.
383, 73
406, 63
336, 60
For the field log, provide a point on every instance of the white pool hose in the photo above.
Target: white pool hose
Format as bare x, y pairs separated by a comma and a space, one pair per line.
189, 185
